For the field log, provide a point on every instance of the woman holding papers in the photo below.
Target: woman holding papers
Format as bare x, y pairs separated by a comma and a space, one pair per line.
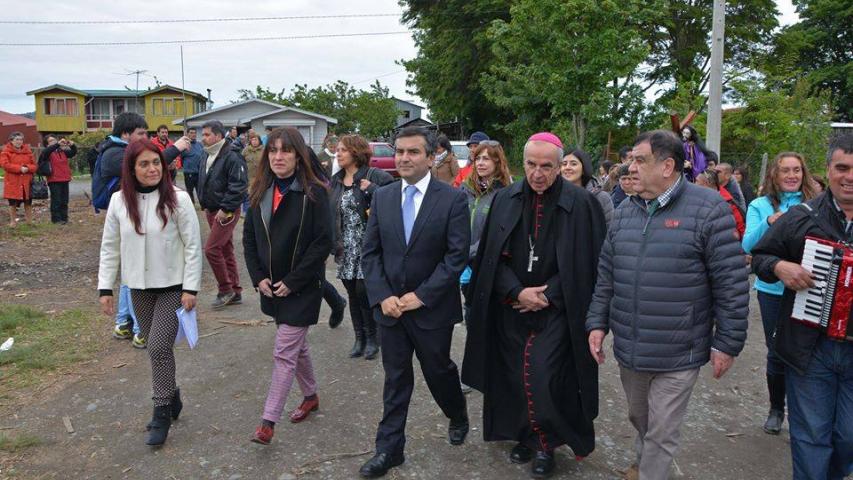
287, 236
152, 231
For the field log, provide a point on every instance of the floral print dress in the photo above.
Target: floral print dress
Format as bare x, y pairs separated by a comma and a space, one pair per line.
352, 232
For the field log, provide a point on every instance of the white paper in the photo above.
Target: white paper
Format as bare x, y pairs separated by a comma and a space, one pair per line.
7, 345
187, 327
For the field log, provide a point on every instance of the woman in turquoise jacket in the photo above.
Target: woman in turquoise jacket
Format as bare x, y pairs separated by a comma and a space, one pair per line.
788, 183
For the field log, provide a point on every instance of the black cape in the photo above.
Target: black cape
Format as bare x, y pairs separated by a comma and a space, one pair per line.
567, 400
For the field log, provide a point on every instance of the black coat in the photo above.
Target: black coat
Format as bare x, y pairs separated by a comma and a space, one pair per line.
429, 265
375, 176
224, 186
290, 245
795, 342
580, 228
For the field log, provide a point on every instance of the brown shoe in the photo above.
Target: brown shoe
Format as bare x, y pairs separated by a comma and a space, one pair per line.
305, 409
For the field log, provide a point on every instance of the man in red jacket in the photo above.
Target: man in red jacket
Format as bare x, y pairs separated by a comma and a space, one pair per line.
56, 154
162, 141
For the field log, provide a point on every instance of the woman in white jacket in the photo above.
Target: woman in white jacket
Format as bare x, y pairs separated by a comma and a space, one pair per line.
152, 231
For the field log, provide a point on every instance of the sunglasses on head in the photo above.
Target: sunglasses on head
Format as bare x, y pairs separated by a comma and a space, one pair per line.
490, 143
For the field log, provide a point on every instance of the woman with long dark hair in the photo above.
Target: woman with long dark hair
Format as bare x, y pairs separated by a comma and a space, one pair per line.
286, 239
152, 231
787, 184
576, 167
352, 189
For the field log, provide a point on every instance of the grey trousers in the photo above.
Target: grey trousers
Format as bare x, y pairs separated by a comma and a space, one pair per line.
657, 403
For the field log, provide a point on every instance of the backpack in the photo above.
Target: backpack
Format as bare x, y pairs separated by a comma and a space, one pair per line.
101, 199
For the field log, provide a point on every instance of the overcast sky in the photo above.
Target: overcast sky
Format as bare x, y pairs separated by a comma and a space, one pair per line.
222, 67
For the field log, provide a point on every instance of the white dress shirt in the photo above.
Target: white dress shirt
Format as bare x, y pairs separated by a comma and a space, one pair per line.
419, 195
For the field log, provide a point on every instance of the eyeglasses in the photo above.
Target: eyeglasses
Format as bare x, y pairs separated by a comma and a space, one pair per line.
490, 143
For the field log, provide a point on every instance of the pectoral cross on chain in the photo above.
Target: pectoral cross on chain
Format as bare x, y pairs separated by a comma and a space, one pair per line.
530, 259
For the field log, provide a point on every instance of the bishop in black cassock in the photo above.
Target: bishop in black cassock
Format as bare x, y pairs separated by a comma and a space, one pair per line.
530, 358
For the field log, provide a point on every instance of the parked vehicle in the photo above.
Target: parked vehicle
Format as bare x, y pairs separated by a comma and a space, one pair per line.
460, 149
383, 157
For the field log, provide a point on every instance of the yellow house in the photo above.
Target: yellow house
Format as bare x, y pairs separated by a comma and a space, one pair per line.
64, 110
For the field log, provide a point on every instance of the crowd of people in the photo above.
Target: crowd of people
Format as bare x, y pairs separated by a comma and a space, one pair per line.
655, 251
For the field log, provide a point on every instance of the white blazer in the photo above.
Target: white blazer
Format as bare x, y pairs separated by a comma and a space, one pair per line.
161, 257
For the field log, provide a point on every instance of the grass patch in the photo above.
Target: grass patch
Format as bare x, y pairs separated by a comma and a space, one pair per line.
43, 343
20, 442
28, 230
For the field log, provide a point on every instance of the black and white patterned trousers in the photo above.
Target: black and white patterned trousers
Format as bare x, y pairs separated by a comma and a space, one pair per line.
158, 323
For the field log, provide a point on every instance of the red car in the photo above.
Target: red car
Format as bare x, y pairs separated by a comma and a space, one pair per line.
383, 157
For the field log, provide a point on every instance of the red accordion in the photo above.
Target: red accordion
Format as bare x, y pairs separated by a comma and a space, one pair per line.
827, 306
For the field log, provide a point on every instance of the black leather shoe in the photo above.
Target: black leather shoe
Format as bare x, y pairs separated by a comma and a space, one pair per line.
773, 425
371, 348
338, 314
520, 454
177, 404
380, 464
158, 427
457, 431
543, 465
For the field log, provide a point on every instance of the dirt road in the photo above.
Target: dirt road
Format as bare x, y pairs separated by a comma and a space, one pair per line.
224, 382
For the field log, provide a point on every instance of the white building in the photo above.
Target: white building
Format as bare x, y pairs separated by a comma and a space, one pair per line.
258, 114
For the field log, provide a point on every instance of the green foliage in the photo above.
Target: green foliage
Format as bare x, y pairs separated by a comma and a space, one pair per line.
819, 49
591, 46
88, 139
371, 113
454, 52
776, 121
679, 40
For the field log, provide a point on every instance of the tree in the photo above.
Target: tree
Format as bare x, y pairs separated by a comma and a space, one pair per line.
558, 64
454, 51
371, 113
819, 49
679, 41
777, 121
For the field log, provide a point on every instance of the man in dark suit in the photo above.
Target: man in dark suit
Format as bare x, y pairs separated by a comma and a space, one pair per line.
415, 248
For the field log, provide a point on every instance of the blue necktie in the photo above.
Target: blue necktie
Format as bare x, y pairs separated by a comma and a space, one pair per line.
409, 211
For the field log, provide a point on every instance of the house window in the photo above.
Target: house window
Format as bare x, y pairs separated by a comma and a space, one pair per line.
406, 114
98, 109
119, 107
60, 106
168, 107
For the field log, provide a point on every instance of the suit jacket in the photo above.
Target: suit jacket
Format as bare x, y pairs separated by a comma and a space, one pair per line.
429, 265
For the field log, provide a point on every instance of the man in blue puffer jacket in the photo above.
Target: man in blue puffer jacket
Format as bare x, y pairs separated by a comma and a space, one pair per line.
672, 287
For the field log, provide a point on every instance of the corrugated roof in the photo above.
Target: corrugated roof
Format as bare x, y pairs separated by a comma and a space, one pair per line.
115, 93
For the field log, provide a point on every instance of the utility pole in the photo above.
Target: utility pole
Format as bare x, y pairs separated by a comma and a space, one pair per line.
715, 93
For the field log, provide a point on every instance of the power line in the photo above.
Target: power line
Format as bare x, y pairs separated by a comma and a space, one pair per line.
192, 20
208, 40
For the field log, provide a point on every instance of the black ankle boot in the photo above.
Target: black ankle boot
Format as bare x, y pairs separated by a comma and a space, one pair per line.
158, 427
358, 346
177, 404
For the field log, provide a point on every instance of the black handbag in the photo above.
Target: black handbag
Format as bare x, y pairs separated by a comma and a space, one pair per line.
38, 189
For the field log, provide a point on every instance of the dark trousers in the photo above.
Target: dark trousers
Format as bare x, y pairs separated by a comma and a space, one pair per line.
331, 295
191, 181
433, 350
363, 323
769, 305
58, 201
